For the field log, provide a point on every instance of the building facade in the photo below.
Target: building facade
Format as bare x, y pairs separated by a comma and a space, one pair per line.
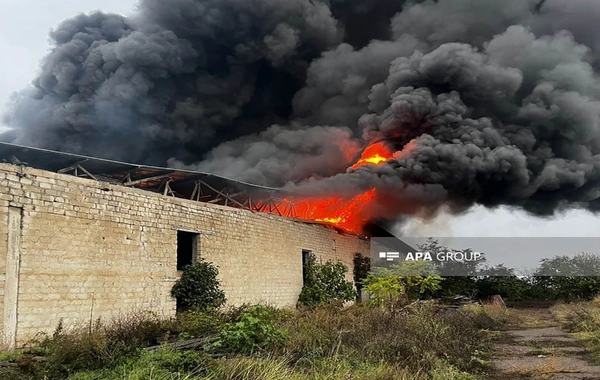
78, 249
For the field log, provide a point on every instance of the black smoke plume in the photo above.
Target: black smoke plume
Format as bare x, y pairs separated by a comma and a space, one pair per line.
484, 101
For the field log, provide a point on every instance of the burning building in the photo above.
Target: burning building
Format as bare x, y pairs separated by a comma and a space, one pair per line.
88, 238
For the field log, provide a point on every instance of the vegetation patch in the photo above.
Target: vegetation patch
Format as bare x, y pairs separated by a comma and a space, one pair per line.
326, 283
199, 287
423, 341
582, 319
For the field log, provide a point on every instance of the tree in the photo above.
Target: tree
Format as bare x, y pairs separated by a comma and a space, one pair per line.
326, 283
199, 287
569, 278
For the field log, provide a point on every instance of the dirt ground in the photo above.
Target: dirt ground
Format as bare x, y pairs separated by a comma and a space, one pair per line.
534, 347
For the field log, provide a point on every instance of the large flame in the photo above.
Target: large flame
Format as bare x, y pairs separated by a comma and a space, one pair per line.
375, 154
348, 214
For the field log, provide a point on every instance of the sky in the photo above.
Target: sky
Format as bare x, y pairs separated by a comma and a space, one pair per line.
24, 27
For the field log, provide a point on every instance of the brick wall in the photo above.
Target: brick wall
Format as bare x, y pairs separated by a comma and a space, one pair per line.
89, 249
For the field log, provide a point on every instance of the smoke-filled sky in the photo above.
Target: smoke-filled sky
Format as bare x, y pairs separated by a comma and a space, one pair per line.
500, 101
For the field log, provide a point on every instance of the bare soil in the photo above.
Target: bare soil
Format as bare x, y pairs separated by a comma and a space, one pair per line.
535, 347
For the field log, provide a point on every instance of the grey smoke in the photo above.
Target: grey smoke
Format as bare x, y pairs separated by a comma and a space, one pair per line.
282, 154
488, 102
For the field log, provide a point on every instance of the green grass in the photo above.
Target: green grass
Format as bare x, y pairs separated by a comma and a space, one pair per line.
357, 342
152, 366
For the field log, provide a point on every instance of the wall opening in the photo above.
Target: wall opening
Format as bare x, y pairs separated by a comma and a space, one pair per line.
187, 248
305, 257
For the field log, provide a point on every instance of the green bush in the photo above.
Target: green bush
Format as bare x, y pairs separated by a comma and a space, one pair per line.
255, 331
362, 266
198, 288
326, 283
395, 286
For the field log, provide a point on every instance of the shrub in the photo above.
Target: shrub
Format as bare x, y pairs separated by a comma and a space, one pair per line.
395, 286
255, 331
199, 287
326, 283
386, 291
119, 343
453, 286
362, 266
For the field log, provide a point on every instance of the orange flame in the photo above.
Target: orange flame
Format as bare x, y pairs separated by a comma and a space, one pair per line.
351, 214
348, 214
375, 154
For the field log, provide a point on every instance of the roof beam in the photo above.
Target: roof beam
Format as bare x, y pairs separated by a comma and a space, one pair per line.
72, 167
224, 195
141, 180
14, 160
87, 173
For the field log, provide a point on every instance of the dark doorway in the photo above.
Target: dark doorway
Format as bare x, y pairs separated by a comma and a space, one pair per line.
187, 248
305, 259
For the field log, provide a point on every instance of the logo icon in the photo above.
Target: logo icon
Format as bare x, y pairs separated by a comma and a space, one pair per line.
389, 256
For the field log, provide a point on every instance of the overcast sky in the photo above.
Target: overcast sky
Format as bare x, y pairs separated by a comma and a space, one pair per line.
24, 26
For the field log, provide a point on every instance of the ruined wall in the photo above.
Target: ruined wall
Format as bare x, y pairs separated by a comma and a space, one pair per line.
89, 249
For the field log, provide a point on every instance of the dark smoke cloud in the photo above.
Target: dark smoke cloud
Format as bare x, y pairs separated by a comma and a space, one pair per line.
483, 101
516, 123
472, 21
175, 80
280, 155
339, 82
363, 20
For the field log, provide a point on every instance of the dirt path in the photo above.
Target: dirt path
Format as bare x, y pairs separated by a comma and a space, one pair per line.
534, 347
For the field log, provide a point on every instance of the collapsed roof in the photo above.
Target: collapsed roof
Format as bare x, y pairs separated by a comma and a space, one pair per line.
193, 185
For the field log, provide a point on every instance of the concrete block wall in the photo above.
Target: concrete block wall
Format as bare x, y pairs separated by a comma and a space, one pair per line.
85, 249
